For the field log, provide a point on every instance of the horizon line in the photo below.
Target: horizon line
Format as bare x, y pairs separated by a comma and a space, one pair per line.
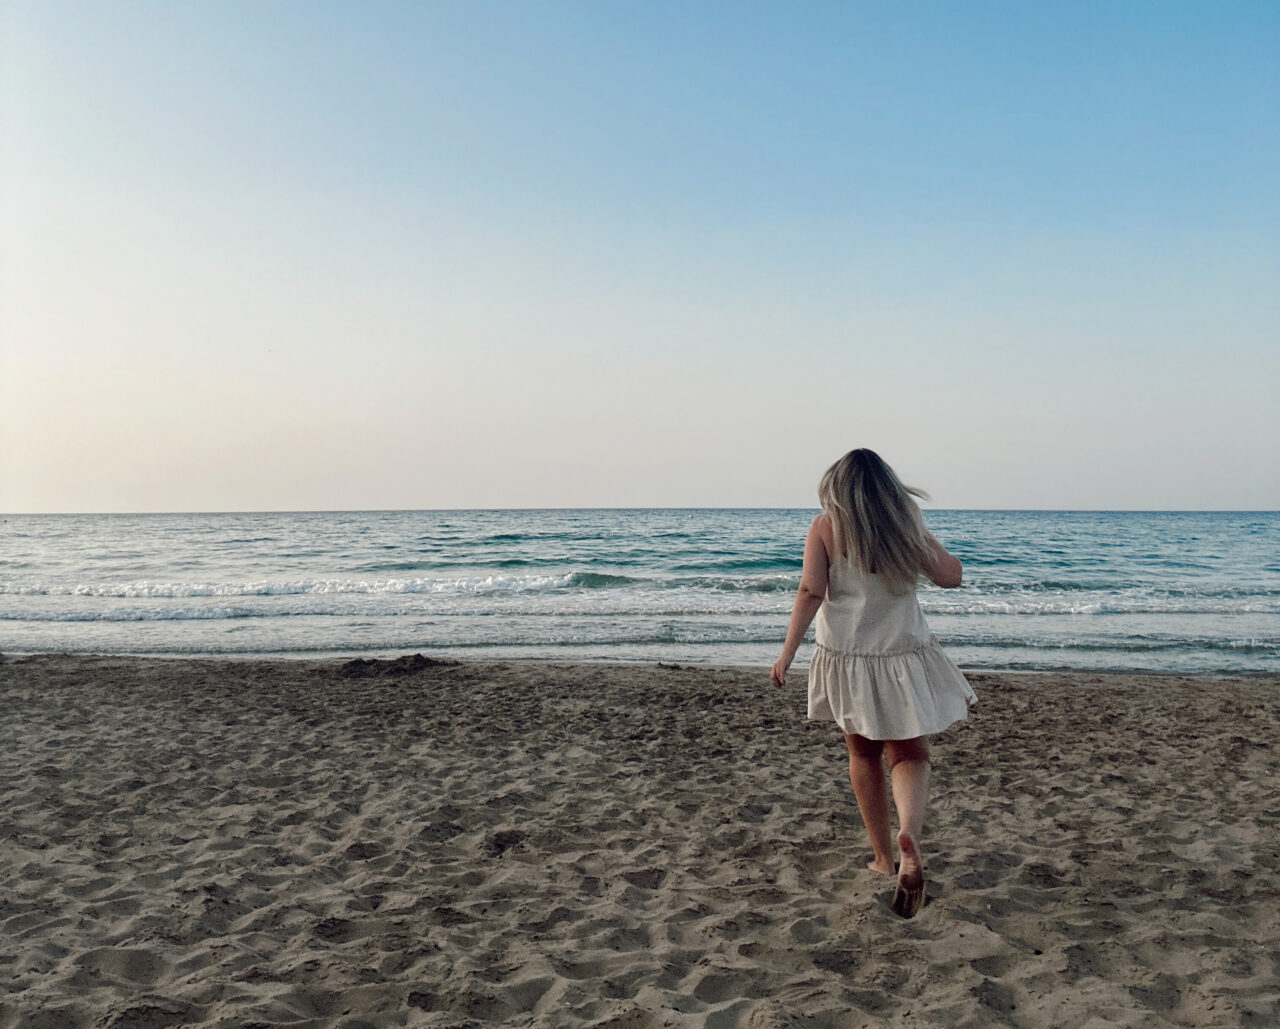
4, 515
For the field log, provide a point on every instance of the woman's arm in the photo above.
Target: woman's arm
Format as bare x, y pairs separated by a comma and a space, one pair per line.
945, 569
809, 597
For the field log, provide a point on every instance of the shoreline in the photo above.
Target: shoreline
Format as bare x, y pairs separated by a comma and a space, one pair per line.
332, 842
800, 665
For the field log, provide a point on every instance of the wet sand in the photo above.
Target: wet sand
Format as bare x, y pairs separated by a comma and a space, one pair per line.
285, 843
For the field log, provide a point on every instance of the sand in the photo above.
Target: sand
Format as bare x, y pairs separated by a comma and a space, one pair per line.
292, 843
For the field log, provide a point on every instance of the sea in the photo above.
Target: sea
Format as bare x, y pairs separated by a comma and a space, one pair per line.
1184, 592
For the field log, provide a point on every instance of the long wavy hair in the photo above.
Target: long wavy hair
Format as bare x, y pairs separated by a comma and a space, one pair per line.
875, 521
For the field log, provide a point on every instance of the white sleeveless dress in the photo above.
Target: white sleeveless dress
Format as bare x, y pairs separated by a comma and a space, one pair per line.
877, 670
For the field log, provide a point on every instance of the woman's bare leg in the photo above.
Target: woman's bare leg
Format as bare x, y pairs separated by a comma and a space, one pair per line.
866, 774
909, 774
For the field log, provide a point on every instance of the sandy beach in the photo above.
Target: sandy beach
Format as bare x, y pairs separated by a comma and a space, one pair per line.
367, 844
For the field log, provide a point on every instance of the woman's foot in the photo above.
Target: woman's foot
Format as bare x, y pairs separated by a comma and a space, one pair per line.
885, 867
908, 898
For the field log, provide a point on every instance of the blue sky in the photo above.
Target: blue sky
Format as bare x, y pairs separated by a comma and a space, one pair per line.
304, 255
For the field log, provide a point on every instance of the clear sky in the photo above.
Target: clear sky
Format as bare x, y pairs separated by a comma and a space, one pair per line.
419, 255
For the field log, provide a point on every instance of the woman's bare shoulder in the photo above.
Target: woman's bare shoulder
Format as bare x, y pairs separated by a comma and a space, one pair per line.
821, 527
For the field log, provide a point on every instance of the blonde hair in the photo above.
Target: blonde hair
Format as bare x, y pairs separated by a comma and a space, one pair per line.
874, 520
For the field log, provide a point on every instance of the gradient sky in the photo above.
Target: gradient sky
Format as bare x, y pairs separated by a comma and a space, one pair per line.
326, 256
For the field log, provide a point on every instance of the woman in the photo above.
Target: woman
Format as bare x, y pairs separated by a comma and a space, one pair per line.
877, 671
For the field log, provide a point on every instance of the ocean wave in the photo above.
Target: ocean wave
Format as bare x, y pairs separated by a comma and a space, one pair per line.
148, 614
623, 594
1112, 586
461, 584
1098, 604
729, 562
721, 584
576, 580
337, 612
1134, 644
711, 579
596, 580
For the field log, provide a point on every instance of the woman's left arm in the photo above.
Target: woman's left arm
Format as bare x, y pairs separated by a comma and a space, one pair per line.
945, 569
809, 597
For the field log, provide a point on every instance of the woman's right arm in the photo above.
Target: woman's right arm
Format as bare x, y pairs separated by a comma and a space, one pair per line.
809, 597
945, 569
